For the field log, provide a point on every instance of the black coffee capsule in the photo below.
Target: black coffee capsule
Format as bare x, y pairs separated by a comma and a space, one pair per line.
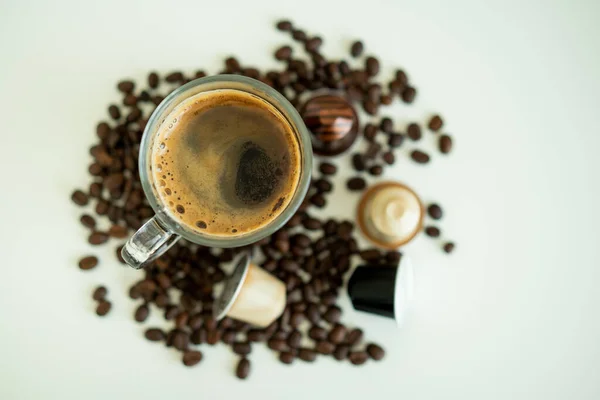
382, 289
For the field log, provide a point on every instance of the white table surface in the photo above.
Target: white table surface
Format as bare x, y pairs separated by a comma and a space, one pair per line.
513, 314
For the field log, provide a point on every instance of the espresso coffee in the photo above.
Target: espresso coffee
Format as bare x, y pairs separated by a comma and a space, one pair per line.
225, 163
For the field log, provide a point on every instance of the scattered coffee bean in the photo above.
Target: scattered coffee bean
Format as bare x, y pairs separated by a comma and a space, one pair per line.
386, 125
419, 156
372, 66
154, 334
445, 144
312, 224
283, 53
354, 337
307, 355
99, 293
243, 368
97, 238
114, 112
286, 357
356, 49
375, 351
432, 231
370, 255
118, 231
449, 247
323, 185
88, 221
435, 123
299, 35
389, 157
241, 348
376, 170
341, 352
79, 198
355, 184
395, 140
142, 312
358, 357
408, 94
435, 211
324, 347
153, 80
327, 168
393, 257
284, 25
414, 132
337, 334
369, 132
191, 358
294, 339
358, 162
228, 337
317, 333
373, 150
103, 307
174, 77
88, 262
277, 344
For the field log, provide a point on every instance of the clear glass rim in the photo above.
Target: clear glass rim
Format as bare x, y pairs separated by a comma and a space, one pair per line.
268, 94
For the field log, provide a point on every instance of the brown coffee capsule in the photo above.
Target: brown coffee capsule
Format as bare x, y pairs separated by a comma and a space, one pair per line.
332, 122
390, 214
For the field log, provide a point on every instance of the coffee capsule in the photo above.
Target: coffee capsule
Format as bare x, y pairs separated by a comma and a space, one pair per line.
383, 289
251, 295
332, 122
390, 214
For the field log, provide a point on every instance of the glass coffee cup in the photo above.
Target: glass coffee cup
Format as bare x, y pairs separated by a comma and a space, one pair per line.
168, 225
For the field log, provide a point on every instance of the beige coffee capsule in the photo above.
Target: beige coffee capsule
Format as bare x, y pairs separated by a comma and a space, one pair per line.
390, 214
251, 295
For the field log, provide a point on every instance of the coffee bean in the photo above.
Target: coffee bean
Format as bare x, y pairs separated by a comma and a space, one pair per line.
333, 314
356, 49
256, 335
328, 298
299, 35
313, 44
79, 198
103, 308
370, 255
114, 112
372, 150
198, 336
294, 339
228, 337
142, 312
386, 125
307, 355
317, 333
174, 77
375, 351
283, 53
435, 123
153, 80
243, 368
358, 162
312, 224
449, 247
241, 348
171, 312
296, 319
88, 262
118, 231
445, 144
99, 293
408, 94
97, 238
324, 347
393, 257
95, 190
376, 170
372, 66
419, 156
312, 313
435, 211
354, 337
195, 321
323, 185
154, 334
358, 357
277, 344
180, 340
414, 132
286, 357
327, 168
102, 130
341, 352
370, 107
369, 132
388, 157
130, 100
284, 25
88, 221
374, 93
355, 184
289, 265
191, 358
432, 231
395, 140
337, 334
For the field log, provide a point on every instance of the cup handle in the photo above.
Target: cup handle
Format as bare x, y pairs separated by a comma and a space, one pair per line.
148, 243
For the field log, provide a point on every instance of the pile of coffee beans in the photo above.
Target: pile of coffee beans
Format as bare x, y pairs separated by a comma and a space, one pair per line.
312, 256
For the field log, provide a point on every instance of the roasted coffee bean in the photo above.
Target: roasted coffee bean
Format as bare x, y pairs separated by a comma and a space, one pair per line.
374, 93
327, 168
130, 100
312, 224
396, 87
283, 53
80, 198
95, 190
370, 107
393, 257
337, 334
372, 150
286, 357
243, 368
414, 132
408, 94
171, 312
432, 231
181, 340
181, 320
358, 357
435, 123
294, 339
299, 35
284, 25
395, 140
317, 333
241, 348
191, 358
445, 144
435, 211
102, 207
354, 337
118, 231
142, 312
256, 335
174, 77
355, 184
376, 170
153, 80
99, 293
369, 132
277, 344
449, 247
154, 334
372, 66
358, 162
312, 313
195, 321
114, 112
375, 351
199, 336
323, 185
103, 308
88, 262
228, 337
297, 318
318, 200
307, 355
213, 336
419, 157
313, 44
386, 125
97, 238
328, 298
341, 352
102, 130
389, 158
370, 255
356, 49
333, 314
289, 265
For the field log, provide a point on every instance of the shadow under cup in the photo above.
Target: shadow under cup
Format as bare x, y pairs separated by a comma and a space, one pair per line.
163, 230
